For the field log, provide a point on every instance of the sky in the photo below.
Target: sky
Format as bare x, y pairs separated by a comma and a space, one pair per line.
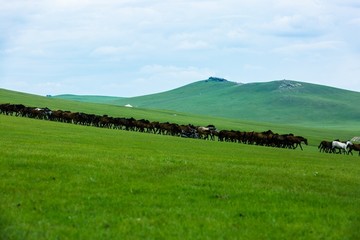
136, 47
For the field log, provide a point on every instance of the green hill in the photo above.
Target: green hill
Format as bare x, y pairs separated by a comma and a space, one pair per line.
281, 101
87, 98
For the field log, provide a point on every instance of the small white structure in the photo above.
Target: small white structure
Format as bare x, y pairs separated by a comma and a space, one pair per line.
128, 105
355, 139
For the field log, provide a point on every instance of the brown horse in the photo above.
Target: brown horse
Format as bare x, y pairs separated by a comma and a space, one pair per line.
325, 146
295, 141
355, 147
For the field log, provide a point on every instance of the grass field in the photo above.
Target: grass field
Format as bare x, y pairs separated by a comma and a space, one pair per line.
63, 181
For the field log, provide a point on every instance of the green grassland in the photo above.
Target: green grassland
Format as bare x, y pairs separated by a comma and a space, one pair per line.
65, 181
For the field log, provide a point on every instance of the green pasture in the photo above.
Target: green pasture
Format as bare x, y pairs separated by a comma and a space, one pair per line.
64, 181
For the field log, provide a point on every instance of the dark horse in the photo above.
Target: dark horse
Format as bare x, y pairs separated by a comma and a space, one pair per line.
355, 147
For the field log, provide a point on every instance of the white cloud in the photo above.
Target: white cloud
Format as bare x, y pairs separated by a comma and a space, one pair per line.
306, 47
193, 45
237, 34
296, 26
11, 50
306, 6
252, 67
109, 50
346, 3
178, 72
169, 77
188, 40
355, 21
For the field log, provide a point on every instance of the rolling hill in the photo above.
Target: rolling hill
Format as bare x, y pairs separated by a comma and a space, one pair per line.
282, 101
88, 98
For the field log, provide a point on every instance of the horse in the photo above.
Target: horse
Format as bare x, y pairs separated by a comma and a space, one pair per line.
295, 141
355, 147
325, 146
340, 146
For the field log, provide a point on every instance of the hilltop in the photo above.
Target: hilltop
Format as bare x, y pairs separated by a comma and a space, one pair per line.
280, 101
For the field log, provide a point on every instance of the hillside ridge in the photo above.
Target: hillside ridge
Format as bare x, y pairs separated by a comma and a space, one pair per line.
275, 101
278, 101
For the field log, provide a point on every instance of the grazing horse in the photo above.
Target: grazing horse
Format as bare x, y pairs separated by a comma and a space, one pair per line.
340, 146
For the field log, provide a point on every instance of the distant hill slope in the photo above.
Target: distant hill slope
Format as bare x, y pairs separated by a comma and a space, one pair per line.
276, 101
87, 98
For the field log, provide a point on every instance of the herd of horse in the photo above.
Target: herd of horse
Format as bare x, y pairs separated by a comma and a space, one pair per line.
209, 132
337, 146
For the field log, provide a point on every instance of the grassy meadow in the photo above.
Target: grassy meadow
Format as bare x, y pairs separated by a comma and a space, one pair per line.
64, 181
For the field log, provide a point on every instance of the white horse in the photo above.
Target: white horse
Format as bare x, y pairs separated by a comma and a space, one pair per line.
206, 132
340, 146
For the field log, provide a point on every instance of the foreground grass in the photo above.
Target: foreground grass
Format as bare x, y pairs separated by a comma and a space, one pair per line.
61, 181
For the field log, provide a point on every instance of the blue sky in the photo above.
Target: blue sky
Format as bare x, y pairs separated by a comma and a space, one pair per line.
136, 47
